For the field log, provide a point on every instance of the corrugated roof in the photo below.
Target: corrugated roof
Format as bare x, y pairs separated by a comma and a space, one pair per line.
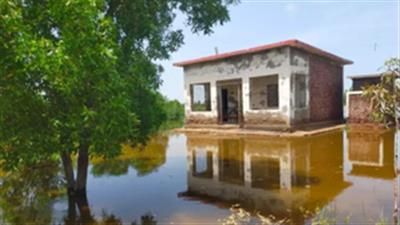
292, 43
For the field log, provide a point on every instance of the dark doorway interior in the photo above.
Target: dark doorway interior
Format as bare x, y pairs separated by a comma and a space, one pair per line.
224, 97
230, 104
230, 101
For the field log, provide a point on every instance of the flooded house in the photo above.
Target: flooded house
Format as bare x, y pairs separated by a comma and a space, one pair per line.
277, 177
288, 177
283, 86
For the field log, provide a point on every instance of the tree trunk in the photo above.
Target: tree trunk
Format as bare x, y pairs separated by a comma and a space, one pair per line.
84, 209
83, 163
71, 217
68, 170
85, 215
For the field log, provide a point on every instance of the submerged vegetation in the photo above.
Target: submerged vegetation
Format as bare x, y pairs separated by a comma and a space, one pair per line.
239, 216
327, 216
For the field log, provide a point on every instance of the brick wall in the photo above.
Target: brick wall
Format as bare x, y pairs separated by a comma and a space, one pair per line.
326, 88
359, 109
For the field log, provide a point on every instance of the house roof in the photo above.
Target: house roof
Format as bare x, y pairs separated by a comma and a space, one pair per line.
371, 75
363, 76
291, 43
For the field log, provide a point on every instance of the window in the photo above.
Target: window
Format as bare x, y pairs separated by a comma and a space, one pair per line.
265, 173
272, 96
202, 163
264, 92
300, 90
200, 95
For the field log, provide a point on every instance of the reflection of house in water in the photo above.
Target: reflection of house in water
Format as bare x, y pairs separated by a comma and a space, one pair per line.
369, 154
272, 176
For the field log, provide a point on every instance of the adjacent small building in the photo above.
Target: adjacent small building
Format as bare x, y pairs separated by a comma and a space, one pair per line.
282, 86
358, 107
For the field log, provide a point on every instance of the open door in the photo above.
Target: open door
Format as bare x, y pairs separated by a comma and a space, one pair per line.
229, 101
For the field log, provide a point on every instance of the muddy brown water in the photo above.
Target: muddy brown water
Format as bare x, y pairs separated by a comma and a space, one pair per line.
189, 178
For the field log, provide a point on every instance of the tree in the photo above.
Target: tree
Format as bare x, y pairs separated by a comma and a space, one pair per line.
78, 77
175, 114
385, 96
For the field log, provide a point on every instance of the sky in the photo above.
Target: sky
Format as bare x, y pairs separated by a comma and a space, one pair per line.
366, 32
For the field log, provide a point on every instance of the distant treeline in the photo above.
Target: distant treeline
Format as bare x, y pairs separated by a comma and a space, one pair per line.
174, 113
155, 112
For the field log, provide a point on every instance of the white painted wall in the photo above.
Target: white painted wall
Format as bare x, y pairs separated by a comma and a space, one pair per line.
299, 66
273, 62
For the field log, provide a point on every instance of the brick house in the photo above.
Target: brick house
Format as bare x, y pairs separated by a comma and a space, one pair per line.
359, 108
282, 86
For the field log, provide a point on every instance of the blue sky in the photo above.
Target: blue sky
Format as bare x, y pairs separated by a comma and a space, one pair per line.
366, 32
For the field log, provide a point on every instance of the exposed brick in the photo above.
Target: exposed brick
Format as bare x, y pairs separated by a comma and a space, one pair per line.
326, 88
359, 109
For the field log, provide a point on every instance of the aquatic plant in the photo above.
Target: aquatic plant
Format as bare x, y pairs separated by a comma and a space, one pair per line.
240, 216
325, 216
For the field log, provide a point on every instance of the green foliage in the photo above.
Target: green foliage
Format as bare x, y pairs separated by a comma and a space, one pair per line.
82, 72
174, 110
385, 96
149, 106
198, 107
175, 114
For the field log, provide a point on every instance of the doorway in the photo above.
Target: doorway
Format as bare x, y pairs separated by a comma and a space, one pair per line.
229, 101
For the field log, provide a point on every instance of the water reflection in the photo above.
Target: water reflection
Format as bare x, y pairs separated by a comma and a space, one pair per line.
369, 154
79, 213
144, 160
352, 170
284, 177
27, 196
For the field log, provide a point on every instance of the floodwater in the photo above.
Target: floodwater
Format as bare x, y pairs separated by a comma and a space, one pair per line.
348, 176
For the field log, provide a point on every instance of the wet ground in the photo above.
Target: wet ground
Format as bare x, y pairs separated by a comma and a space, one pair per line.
345, 175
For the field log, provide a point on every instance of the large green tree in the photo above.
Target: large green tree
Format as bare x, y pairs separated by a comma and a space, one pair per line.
78, 77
